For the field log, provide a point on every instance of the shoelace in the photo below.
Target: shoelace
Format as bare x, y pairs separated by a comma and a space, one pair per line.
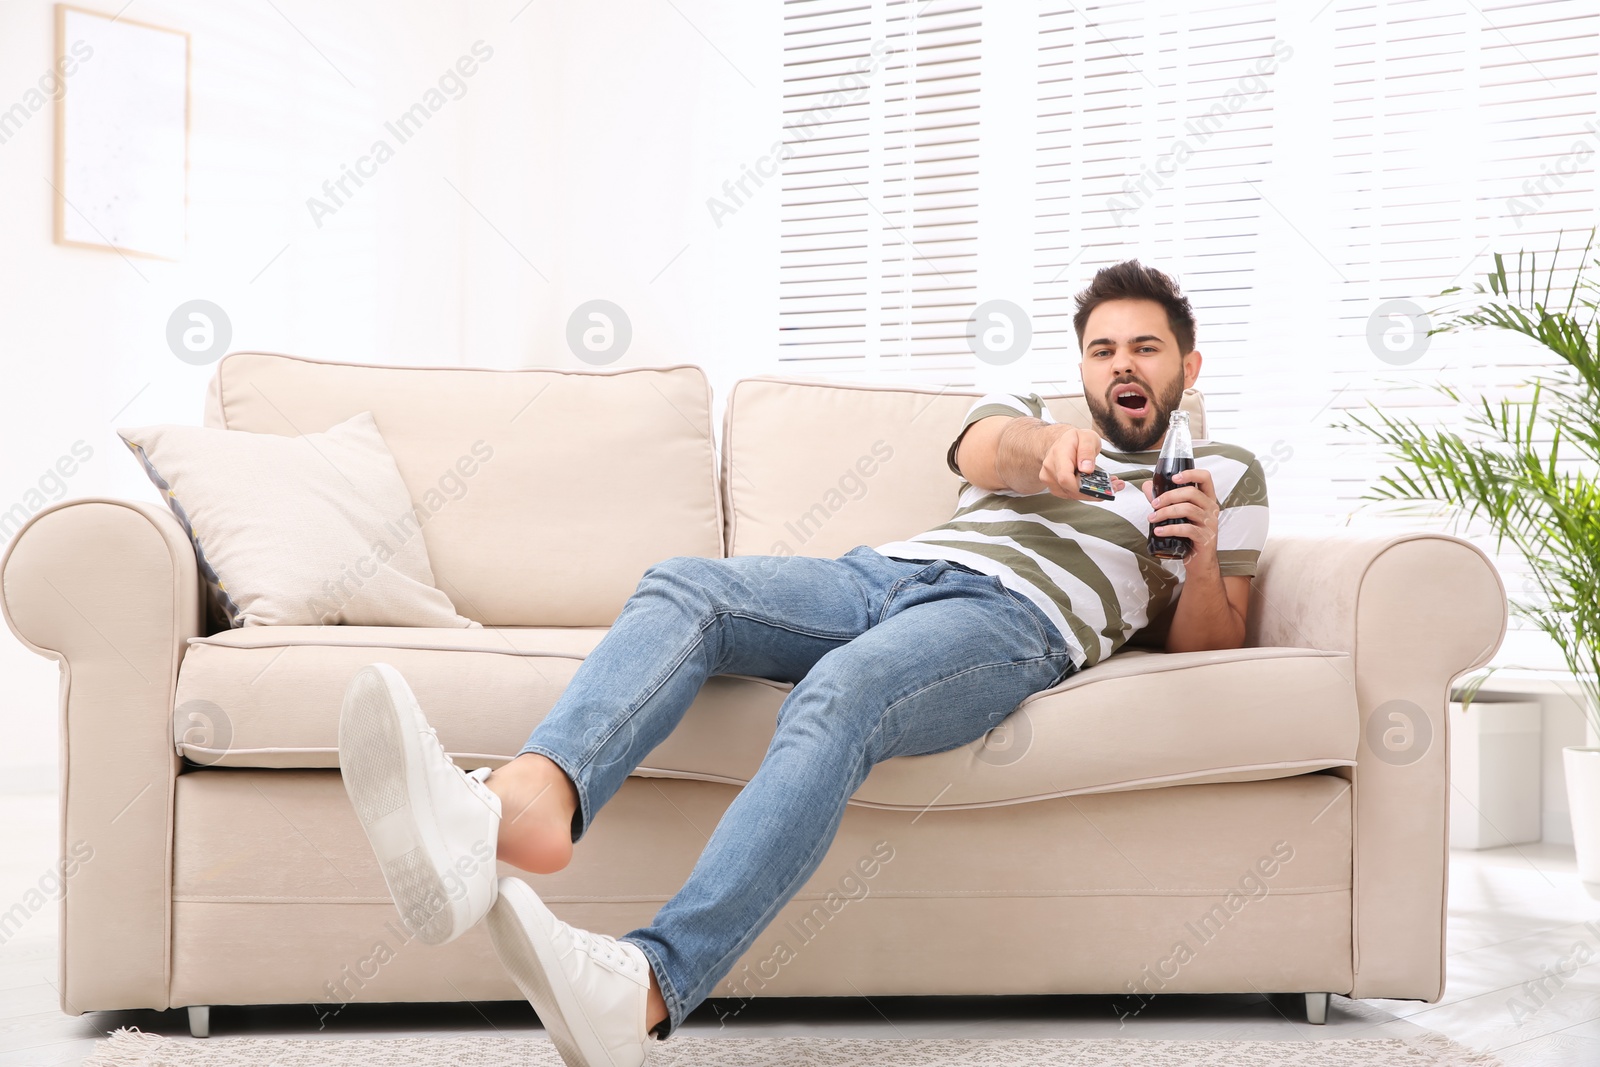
603, 947
483, 792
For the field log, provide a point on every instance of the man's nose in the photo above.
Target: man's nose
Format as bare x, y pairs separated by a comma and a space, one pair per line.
1122, 364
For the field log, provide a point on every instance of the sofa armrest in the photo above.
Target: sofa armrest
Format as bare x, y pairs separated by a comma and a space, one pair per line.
1414, 611
111, 589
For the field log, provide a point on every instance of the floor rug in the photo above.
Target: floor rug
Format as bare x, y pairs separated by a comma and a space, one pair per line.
130, 1047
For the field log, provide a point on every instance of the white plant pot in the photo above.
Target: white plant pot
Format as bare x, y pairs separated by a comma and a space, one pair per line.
1583, 797
1495, 775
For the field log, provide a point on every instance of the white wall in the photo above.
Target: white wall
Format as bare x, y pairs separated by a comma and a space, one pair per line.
84, 330
643, 114
576, 165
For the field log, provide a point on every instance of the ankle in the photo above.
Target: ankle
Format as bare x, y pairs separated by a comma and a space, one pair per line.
655, 1009
553, 777
533, 779
537, 806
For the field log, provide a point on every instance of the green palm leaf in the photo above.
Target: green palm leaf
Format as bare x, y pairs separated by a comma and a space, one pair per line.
1526, 467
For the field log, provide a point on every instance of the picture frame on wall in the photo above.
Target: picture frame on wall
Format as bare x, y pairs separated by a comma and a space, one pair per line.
122, 135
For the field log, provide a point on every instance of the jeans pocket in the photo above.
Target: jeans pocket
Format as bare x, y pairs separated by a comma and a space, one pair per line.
1052, 645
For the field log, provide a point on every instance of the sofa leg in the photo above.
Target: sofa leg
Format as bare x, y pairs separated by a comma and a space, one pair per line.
1316, 1008
200, 1020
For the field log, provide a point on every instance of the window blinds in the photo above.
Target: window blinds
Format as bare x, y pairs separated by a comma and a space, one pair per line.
1308, 172
879, 180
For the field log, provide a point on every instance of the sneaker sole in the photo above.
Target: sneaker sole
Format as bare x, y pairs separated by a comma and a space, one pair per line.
530, 959
378, 752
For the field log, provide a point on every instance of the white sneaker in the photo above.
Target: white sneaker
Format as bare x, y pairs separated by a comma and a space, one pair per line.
590, 990
433, 827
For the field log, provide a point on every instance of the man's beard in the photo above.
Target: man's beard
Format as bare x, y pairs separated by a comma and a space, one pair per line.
1126, 436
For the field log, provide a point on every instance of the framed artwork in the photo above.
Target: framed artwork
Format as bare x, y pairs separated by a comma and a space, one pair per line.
122, 134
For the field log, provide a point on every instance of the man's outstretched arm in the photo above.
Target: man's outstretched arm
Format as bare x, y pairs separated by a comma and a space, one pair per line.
1026, 455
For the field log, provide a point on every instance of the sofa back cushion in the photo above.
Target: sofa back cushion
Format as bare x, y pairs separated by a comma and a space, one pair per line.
541, 494
814, 468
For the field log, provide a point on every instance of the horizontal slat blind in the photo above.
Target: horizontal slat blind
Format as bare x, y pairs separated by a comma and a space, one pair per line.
1093, 103
880, 212
930, 184
1153, 122
1297, 168
1454, 137
829, 121
1401, 155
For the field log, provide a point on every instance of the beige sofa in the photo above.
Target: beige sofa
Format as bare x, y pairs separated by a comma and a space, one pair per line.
1267, 819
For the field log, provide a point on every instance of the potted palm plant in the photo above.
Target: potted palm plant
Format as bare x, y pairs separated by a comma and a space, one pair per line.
1531, 468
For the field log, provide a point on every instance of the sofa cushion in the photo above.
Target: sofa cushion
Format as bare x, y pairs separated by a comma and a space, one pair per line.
270, 697
547, 493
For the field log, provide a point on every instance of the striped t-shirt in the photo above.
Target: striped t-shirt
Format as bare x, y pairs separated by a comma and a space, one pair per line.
1087, 564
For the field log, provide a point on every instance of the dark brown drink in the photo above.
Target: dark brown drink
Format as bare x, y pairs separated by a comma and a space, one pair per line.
1177, 454
1168, 547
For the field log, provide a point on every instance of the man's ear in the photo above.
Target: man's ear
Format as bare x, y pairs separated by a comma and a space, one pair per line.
1191, 368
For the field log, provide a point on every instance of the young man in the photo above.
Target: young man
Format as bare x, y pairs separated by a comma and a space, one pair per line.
916, 646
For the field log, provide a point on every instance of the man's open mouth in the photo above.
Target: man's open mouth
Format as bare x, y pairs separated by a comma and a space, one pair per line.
1132, 399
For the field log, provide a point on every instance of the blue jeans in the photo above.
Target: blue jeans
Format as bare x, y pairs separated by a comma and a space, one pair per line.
888, 657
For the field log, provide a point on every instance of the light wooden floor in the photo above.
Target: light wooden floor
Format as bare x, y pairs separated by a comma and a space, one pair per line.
1514, 915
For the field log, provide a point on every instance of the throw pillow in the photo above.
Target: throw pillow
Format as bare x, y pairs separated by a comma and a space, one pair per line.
309, 530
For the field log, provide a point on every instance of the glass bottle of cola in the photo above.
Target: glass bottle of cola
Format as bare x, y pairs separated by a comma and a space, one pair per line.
1177, 454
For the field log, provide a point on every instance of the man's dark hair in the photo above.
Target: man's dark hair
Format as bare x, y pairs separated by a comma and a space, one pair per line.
1130, 281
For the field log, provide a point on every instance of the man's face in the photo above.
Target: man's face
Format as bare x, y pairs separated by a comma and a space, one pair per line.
1129, 352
